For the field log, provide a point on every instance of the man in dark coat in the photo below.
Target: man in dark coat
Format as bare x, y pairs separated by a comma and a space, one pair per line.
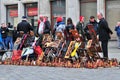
47, 26
24, 26
104, 34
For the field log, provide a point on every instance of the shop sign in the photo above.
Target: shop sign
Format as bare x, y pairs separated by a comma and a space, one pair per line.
32, 11
13, 13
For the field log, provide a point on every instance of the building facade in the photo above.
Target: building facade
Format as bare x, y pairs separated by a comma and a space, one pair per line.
12, 10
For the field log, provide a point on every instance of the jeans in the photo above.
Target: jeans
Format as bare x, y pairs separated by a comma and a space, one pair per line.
2, 45
5, 42
8, 42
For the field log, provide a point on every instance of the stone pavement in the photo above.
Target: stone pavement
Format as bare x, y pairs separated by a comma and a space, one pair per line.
113, 50
10, 72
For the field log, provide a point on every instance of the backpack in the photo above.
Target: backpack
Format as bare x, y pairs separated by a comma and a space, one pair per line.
118, 31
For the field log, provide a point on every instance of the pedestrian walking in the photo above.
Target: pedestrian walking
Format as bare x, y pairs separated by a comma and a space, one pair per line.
117, 29
104, 34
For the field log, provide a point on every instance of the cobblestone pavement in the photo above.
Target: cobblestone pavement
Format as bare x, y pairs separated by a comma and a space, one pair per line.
113, 50
10, 72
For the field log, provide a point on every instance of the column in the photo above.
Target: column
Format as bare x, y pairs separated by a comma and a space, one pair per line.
0, 11
101, 6
20, 10
3, 12
44, 8
73, 10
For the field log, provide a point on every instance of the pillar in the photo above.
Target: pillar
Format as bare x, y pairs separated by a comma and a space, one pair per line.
101, 6
2, 12
44, 8
73, 10
20, 10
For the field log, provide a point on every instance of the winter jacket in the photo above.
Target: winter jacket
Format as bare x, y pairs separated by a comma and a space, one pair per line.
80, 29
117, 29
47, 27
67, 32
59, 27
24, 26
4, 32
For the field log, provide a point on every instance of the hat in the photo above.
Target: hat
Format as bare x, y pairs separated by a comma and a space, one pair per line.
41, 16
24, 17
59, 19
81, 18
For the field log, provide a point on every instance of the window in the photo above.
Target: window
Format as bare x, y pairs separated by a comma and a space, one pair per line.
31, 11
88, 8
12, 14
58, 8
112, 13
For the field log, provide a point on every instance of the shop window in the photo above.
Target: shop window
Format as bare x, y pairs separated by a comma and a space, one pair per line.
31, 11
12, 14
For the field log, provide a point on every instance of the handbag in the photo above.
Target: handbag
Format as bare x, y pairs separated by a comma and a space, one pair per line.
38, 50
16, 54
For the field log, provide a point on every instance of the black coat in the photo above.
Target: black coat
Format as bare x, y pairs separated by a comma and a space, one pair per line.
47, 27
4, 32
104, 30
67, 32
24, 26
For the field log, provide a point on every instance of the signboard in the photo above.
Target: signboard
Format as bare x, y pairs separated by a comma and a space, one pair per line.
13, 13
32, 11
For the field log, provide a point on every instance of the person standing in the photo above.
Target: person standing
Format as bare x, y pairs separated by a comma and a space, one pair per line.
9, 25
80, 27
117, 29
47, 26
2, 45
24, 27
4, 33
95, 25
69, 27
104, 34
40, 30
59, 27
